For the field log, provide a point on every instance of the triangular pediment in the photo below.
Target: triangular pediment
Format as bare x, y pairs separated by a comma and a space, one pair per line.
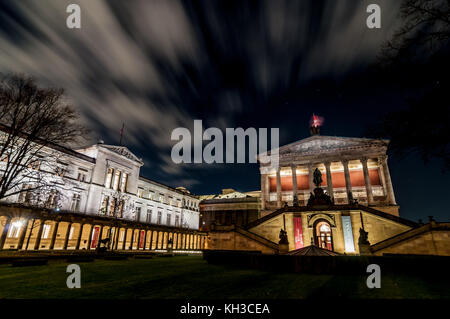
329, 144
123, 151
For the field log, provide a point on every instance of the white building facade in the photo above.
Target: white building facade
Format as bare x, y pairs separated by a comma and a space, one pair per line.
105, 180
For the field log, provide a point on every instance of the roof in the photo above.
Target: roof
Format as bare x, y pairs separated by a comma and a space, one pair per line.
312, 251
318, 144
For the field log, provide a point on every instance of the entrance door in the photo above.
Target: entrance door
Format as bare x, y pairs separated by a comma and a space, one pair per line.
324, 237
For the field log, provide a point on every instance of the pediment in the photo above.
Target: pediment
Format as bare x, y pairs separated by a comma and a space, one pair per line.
123, 151
329, 144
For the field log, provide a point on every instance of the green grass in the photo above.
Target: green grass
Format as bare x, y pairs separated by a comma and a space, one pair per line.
192, 277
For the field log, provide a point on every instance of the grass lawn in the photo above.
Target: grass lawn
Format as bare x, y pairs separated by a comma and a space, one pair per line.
192, 277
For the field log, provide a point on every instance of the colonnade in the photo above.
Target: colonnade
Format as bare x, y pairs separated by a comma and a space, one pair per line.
382, 161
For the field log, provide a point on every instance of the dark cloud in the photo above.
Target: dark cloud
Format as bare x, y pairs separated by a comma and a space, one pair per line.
157, 65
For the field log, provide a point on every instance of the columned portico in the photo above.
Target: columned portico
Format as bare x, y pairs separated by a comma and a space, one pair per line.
352, 169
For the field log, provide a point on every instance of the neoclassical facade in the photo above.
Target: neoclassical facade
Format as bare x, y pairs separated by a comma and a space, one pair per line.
352, 169
94, 193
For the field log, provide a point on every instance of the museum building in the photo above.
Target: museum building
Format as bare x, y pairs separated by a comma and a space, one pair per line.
94, 193
334, 193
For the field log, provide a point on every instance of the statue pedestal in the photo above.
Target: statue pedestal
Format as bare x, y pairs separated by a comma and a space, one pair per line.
364, 249
283, 248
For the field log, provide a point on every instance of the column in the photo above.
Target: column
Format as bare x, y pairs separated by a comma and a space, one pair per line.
66, 240
145, 239
22, 234
294, 185
329, 180
348, 184
39, 234
124, 242
5, 232
116, 241
132, 239
278, 188
151, 239
311, 177
263, 191
388, 181
367, 181
139, 240
77, 247
55, 232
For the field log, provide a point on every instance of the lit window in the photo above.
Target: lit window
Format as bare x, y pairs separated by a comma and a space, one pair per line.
158, 221
45, 231
116, 180
14, 231
109, 174
104, 206
123, 183
75, 205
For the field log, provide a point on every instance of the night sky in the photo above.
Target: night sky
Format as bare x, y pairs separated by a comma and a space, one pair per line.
158, 65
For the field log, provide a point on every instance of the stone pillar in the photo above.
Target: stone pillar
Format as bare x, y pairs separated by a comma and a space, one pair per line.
132, 239
39, 234
311, 178
66, 239
116, 240
145, 239
100, 235
139, 240
367, 181
387, 178
124, 242
55, 232
294, 185
329, 180
278, 188
348, 183
22, 234
77, 247
5, 232
264, 191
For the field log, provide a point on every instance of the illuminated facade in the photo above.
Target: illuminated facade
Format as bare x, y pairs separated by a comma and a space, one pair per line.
352, 169
352, 210
95, 193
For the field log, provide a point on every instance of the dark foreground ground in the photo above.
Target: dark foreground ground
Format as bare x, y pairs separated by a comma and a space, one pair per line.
192, 277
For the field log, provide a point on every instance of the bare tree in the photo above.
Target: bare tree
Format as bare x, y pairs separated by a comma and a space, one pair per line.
35, 123
417, 58
425, 30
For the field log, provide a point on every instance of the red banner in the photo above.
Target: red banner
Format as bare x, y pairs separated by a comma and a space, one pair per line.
298, 233
95, 237
141, 242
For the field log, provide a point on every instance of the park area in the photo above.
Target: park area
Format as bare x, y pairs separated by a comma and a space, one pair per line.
192, 277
